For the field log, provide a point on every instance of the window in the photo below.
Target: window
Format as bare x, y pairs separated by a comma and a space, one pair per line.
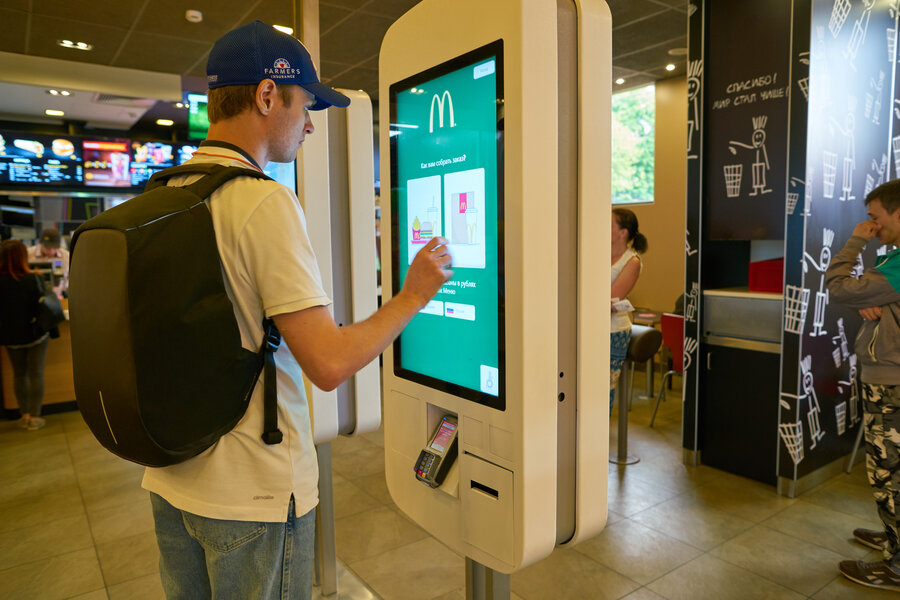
633, 115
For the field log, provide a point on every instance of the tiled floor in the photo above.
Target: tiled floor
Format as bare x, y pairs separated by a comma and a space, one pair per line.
74, 523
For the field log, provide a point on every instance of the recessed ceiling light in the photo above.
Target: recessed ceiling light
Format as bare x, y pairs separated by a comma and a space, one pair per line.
670, 67
59, 92
620, 81
54, 113
284, 29
165, 122
74, 45
180, 105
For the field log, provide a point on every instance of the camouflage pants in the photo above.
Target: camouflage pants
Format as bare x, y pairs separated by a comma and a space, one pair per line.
881, 404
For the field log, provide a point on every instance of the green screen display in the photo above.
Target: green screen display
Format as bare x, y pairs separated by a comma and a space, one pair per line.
446, 173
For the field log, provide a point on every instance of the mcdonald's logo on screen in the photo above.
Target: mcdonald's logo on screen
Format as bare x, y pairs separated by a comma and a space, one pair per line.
439, 101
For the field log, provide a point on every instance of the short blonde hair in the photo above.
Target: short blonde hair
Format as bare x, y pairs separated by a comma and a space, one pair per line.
231, 100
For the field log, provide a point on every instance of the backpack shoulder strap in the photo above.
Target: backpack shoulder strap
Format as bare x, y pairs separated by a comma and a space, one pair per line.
215, 177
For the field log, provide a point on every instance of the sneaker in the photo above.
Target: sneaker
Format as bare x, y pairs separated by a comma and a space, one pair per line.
875, 574
23, 422
35, 423
870, 537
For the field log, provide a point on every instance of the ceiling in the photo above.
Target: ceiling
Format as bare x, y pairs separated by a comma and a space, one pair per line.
154, 35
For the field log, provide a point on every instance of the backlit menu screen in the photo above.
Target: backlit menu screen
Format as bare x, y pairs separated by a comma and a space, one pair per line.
446, 135
106, 163
43, 159
149, 157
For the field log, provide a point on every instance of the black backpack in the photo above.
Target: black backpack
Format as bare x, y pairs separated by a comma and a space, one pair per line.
160, 373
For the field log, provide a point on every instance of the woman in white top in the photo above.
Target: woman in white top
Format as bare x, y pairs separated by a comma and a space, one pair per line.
627, 246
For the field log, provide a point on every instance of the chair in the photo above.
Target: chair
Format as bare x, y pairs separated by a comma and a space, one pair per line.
644, 343
673, 338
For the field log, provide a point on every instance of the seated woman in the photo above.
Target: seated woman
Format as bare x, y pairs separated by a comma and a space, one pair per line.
627, 246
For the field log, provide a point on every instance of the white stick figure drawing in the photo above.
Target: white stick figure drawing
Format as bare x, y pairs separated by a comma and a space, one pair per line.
858, 35
760, 165
840, 340
822, 295
849, 163
809, 392
881, 169
879, 98
838, 16
695, 69
687, 244
690, 309
853, 401
690, 344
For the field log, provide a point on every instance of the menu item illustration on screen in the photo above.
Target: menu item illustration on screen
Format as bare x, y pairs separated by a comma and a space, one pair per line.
106, 163
423, 213
464, 216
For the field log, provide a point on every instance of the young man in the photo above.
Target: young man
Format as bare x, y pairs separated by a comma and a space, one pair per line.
48, 249
877, 296
238, 520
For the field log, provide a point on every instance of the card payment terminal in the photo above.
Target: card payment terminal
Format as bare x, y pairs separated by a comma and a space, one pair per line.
436, 458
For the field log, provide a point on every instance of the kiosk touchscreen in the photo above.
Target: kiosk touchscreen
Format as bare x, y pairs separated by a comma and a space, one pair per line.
446, 143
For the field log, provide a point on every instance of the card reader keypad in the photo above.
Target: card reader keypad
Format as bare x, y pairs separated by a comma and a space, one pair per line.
425, 464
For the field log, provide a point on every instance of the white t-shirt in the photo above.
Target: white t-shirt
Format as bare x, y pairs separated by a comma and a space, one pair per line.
269, 267
620, 320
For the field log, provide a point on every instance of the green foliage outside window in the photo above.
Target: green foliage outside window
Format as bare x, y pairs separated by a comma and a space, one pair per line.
633, 118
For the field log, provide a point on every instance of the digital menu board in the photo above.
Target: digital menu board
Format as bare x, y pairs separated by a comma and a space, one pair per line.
198, 119
447, 180
44, 159
149, 157
106, 163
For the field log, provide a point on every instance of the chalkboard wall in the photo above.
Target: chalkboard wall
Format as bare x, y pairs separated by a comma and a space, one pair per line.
746, 100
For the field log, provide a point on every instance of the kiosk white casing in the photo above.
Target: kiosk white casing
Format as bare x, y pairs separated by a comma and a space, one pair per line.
337, 192
517, 453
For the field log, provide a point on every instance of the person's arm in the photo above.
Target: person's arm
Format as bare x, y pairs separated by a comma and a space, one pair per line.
329, 354
623, 284
872, 288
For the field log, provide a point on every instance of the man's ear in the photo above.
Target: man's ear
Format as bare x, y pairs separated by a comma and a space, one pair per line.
265, 96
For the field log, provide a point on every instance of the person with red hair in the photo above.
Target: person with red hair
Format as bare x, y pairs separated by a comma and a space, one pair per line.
26, 343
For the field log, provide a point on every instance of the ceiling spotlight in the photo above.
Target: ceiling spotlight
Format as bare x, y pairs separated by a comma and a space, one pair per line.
670, 67
59, 92
193, 16
165, 122
54, 113
180, 105
620, 81
284, 29
74, 45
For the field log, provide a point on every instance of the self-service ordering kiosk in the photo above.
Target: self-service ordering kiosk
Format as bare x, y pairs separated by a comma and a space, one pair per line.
495, 134
336, 190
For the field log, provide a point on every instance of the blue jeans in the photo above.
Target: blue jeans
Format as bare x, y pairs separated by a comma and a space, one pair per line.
618, 351
28, 376
207, 558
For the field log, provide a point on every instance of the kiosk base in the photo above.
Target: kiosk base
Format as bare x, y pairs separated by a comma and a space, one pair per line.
483, 583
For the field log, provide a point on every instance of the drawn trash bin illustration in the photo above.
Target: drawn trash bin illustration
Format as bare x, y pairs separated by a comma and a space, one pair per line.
733, 174
792, 198
795, 302
792, 435
838, 16
829, 170
840, 415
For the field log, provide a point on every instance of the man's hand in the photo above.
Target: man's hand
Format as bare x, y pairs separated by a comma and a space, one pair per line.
873, 313
428, 271
866, 230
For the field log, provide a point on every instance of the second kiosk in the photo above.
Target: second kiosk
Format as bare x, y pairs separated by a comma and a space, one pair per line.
496, 394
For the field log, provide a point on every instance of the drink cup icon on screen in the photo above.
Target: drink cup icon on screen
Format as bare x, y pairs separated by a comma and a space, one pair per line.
119, 162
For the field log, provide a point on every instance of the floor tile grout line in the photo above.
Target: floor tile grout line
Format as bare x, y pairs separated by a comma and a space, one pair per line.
87, 517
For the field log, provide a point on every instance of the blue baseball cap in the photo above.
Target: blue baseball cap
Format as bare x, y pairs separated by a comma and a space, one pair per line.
257, 51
